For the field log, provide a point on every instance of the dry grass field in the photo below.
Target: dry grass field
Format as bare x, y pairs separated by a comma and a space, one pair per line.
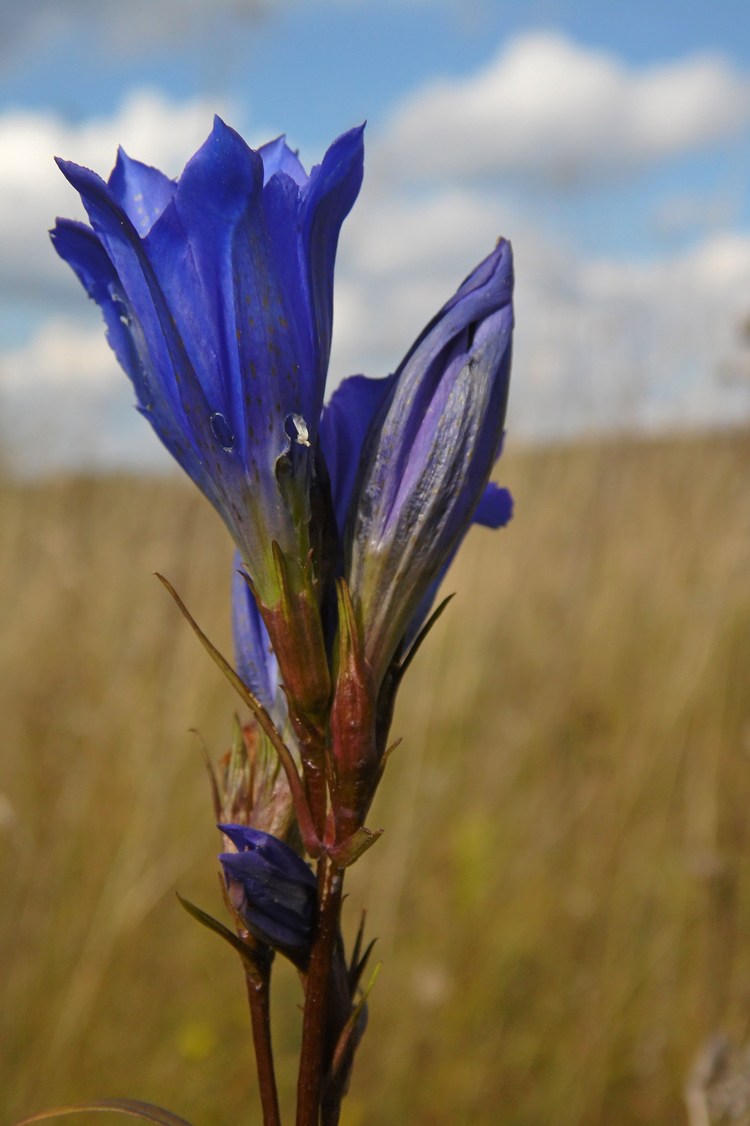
562, 893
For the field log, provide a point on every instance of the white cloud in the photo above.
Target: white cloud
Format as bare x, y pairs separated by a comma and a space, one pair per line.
550, 109
600, 341
148, 124
636, 344
688, 211
62, 355
418, 236
33, 191
137, 26
64, 401
400, 258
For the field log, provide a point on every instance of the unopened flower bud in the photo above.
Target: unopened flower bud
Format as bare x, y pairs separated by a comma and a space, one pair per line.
271, 889
430, 451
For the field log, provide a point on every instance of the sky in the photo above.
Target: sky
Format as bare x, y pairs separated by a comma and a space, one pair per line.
610, 143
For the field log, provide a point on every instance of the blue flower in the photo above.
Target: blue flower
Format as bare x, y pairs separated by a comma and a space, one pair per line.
254, 656
431, 435
217, 293
272, 890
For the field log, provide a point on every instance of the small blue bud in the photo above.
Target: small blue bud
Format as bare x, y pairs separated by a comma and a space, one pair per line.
272, 890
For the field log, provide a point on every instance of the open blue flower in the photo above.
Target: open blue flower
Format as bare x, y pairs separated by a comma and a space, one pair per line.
272, 889
217, 293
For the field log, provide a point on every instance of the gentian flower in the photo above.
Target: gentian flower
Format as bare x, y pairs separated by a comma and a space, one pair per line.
435, 431
272, 890
217, 292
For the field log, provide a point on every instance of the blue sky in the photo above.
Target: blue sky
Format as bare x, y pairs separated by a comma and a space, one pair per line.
318, 62
610, 142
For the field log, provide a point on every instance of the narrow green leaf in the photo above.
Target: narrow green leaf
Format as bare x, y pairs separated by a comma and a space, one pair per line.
212, 780
359, 967
349, 1029
214, 925
358, 942
417, 644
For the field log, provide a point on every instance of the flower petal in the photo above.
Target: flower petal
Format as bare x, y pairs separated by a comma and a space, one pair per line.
82, 250
262, 355
273, 851
332, 189
346, 422
495, 509
143, 192
278, 157
154, 329
255, 659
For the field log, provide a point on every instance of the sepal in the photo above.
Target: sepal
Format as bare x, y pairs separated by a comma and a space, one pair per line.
355, 763
345, 854
253, 788
296, 632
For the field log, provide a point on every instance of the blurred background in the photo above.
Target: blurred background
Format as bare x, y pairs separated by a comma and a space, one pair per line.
562, 893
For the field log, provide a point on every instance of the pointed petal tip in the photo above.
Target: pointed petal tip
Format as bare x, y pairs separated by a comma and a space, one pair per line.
65, 166
352, 139
118, 173
502, 250
220, 128
61, 225
220, 131
79, 175
226, 135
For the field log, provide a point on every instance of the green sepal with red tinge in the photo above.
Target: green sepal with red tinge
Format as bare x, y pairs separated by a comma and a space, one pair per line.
296, 632
355, 762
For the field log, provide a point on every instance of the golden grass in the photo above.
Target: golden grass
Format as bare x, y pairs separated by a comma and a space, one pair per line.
562, 893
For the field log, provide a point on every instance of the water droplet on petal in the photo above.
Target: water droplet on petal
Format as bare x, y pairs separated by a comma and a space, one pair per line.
296, 429
222, 431
123, 313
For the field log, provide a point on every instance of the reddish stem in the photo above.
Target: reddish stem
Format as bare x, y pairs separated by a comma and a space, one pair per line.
259, 998
314, 1024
